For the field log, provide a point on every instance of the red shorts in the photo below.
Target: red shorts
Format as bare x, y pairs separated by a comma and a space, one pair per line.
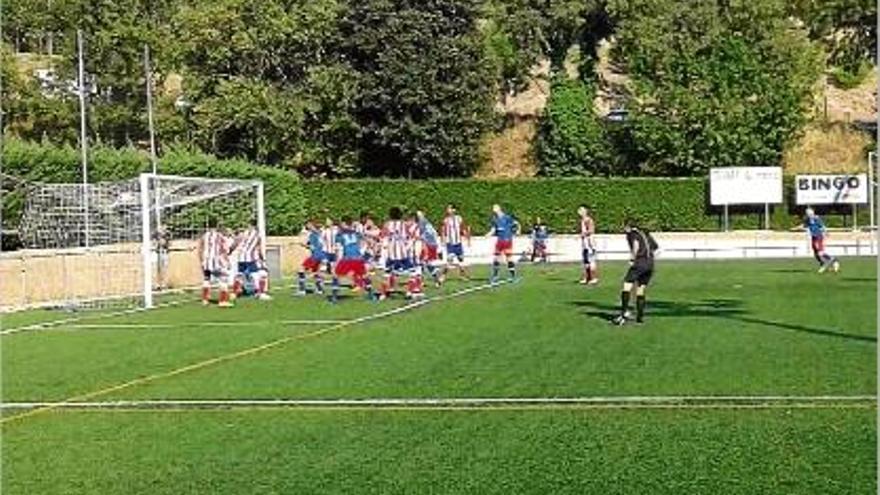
503, 247
312, 265
818, 244
429, 253
356, 267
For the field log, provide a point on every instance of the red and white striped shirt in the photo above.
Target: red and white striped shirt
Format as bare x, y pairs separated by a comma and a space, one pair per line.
397, 240
250, 246
414, 235
453, 228
215, 251
588, 228
328, 237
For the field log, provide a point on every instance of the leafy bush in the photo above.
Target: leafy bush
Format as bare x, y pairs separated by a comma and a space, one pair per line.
571, 138
660, 204
32, 162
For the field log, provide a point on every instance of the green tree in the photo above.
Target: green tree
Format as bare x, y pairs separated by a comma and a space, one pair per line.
847, 28
270, 85
425, 87
571, 139
715, 83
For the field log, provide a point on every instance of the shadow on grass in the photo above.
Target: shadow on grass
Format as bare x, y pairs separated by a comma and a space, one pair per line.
729, 309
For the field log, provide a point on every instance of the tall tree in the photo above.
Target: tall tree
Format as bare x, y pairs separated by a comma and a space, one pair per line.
270, 85
715, 83
426, 90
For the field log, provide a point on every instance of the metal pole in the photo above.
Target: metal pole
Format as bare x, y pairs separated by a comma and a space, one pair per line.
82, 131
766, 216
726, 217
855, 209
146, 241
872, 157
149, 77
1, 126
154, 160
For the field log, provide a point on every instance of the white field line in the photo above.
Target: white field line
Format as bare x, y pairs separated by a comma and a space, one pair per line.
683, 402
67, 321
197, 324
251, 351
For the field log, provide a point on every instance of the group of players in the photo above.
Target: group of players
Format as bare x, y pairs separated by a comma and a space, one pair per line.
406, 249
216, 249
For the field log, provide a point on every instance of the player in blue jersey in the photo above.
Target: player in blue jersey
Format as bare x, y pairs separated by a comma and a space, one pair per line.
312, 264
350, 260
504, 228
540, 236
429, 255
817, 231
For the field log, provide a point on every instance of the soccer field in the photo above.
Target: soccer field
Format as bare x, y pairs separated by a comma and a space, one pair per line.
748, 377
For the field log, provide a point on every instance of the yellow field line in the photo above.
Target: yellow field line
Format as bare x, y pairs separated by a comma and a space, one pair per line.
244, 353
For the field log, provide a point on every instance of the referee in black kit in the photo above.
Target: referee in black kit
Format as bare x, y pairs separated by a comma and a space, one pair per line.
641, 248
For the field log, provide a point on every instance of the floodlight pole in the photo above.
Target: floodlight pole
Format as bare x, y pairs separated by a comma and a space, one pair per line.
83, 138
154, 159
1, 127
149, 77
872, 158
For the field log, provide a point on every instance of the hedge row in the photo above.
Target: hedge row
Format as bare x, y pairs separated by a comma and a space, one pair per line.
659, 204
32, 162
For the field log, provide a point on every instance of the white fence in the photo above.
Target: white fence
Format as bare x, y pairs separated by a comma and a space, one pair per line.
689, 247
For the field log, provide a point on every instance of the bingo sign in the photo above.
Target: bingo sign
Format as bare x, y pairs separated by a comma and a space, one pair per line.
832, 189
746, 185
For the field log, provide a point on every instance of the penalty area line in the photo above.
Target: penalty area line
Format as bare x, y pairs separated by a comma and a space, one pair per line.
250, 351
495, 403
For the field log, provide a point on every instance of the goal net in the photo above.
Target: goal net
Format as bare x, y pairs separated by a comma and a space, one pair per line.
124, 244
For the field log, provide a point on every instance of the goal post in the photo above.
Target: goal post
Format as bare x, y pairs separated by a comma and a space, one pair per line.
182, 208
140, 248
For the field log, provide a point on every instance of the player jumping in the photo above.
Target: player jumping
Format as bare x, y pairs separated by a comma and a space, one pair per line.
349, 245
504, 228
213, 248
312, 264
816, 228
453, 231
588, 246
252, 264
642, 247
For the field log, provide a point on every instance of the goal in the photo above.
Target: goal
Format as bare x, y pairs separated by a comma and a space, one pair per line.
124, 244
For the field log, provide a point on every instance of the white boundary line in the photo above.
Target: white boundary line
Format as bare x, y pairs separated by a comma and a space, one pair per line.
680, 402
249, 351
66, 321
196, 324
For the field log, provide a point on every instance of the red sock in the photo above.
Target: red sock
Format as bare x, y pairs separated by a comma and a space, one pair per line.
224, 295
588, 274
236, 287
263, 286
206, 293
417, 283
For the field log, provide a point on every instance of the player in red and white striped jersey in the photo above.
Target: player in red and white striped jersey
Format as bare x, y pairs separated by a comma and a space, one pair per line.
398, 245
328, 238
252, 263
588, 246
452, 232
213, 248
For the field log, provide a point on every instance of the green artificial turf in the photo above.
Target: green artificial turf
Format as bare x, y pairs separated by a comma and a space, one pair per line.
714, 328
487, 452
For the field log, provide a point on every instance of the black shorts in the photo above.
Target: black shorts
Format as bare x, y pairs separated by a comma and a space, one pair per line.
639, 273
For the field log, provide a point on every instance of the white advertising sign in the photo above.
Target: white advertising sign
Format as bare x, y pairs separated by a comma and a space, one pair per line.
746, 185
832, 189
